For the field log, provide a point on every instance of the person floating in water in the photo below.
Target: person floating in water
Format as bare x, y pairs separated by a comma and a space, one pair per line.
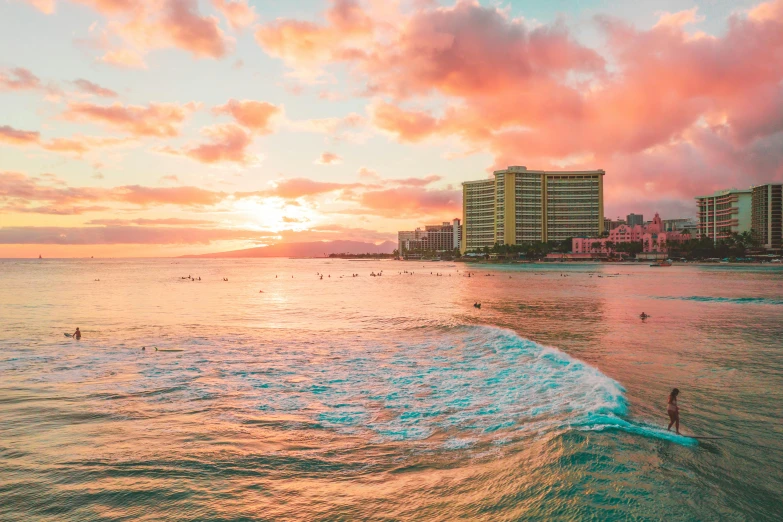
77, 334
674, 411
643, 316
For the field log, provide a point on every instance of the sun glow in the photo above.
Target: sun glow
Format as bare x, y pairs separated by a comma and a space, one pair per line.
274, 214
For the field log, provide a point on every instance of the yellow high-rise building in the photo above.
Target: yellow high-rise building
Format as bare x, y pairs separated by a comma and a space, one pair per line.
520, 206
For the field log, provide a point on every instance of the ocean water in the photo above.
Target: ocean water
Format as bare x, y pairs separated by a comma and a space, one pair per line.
391, 397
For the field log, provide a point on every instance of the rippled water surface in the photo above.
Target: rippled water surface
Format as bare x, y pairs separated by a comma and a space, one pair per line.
391, 397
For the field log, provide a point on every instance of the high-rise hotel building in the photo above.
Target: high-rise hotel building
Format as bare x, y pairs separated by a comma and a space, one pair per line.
767, 215
724, 213
519, 206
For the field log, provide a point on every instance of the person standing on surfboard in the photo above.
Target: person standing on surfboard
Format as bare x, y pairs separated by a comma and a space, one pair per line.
77, 334
674, 411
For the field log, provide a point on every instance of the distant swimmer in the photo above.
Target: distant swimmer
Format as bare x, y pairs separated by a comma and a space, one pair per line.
77, 334
643, 316
674, 411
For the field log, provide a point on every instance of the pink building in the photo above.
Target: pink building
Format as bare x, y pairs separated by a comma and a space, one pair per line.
652, 237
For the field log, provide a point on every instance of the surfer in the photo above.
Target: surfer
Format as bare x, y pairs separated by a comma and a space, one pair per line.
674, 411
643, 316
77, 334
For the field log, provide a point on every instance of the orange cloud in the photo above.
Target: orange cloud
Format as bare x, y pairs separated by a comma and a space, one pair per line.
238, 13
255, 115
143, 26
89, 87
306, 43
156, 119
45, 6
126, 58
80, 144
76, 144
328, 158
679, 18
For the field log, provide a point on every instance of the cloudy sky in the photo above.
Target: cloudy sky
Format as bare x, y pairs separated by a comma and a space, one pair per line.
163, 127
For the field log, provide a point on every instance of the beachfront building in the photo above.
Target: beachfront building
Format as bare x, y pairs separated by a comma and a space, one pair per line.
410, 240
689, 225
767, 215
443, 237
634, 219
519, 206
438, 238
653, 237
610, 224
478, 214
724, 213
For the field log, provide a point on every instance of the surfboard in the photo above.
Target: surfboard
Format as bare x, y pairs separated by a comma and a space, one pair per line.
68, 335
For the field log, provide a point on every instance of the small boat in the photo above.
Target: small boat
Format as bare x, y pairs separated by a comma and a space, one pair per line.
665, 262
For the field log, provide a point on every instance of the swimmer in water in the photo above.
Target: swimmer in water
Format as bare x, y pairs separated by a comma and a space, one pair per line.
77, 334
674, 411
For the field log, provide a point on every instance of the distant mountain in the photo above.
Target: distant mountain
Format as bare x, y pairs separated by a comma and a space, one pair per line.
310, 249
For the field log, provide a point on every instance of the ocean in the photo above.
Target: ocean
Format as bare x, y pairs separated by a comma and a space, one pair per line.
388, 397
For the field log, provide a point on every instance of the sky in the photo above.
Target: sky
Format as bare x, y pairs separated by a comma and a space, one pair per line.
169, 127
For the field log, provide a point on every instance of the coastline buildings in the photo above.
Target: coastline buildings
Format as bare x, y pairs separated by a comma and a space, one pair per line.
519, 206
634, 219
439, 238
689, 225
724, 213
653, 236
767, 215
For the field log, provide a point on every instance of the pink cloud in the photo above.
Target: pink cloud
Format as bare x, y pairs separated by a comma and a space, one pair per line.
328, 158
411, 202
255, 115
226, 143
416, 182
18, 79
112, 235
89, 87
238, 13
150, 222
20, 190
18, 137
408, 126
156, 119
190, 31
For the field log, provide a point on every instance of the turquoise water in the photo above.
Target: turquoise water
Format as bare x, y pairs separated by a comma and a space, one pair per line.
387, 397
